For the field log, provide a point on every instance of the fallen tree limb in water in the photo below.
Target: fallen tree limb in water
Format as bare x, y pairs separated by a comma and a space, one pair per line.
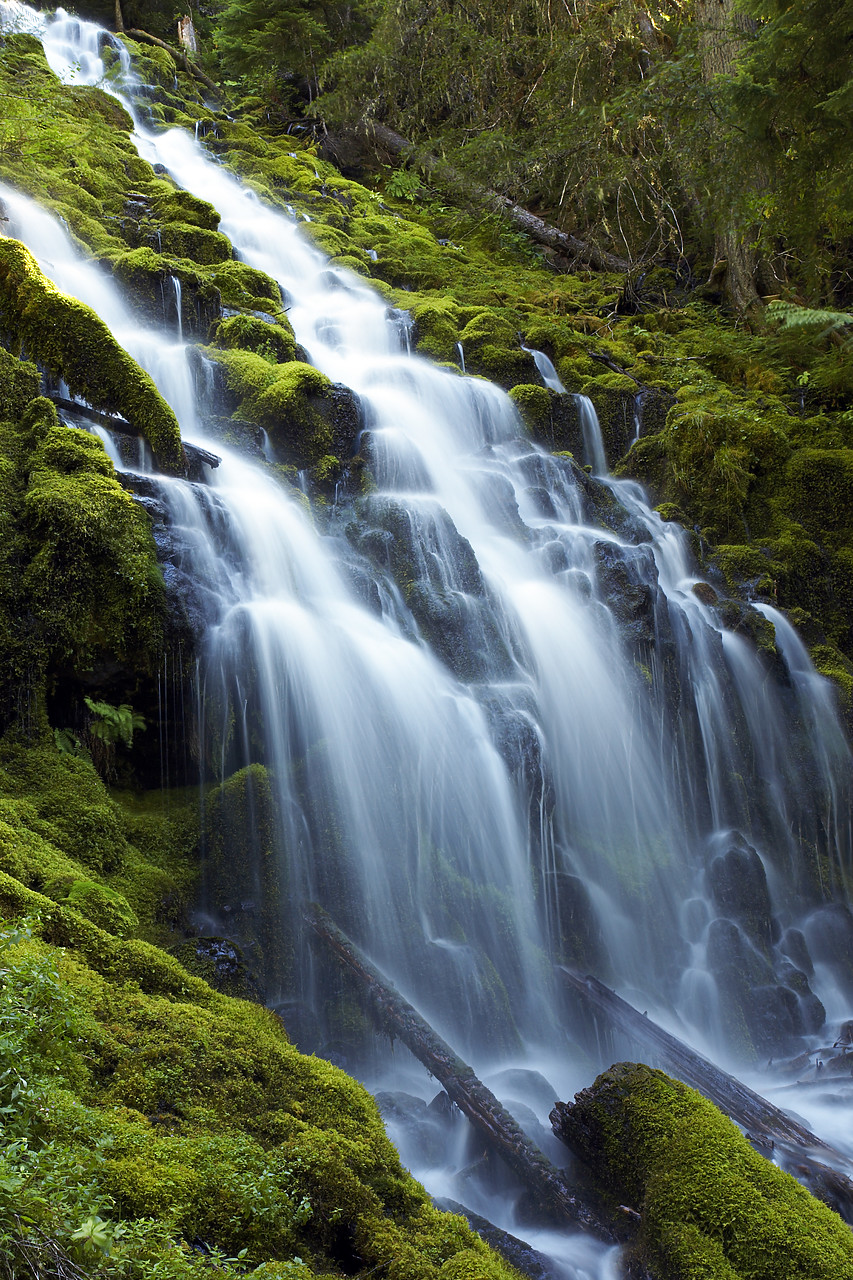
774, 1133
569, 246
397, 1018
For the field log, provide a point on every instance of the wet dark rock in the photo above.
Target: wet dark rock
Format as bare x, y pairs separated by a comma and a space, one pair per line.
500, 505
364, 587
424, 1130
425, 543
604, 508
542, 502
580, 941
222, 965
527, 1260
522, 1082
624, 581
442, 1105
556, 556
516, 737
733, 959
737, 883
776, 1021
812, 1011
829, 933
794, 946
757, 1007
695, 917
345, 419
461, 631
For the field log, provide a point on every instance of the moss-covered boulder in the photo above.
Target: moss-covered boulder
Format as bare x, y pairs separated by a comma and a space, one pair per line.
710, 1207
75, 344
81, 594
310, 421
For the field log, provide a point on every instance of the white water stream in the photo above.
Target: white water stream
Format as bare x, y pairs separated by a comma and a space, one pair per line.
504, 755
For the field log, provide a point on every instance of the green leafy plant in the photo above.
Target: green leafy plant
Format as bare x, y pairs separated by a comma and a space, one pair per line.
114, 724
403, 184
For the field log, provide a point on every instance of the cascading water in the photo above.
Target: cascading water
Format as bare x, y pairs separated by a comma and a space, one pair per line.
502, 721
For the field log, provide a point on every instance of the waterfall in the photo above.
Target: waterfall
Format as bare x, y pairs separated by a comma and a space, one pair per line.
502, 720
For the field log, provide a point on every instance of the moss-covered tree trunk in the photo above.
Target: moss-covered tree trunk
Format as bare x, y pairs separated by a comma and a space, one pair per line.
722, 32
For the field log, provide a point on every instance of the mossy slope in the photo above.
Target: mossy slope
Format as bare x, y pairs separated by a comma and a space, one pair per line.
80, 588
178, 1122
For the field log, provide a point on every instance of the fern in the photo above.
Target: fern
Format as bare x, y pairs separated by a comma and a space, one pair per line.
791, 315
114, 724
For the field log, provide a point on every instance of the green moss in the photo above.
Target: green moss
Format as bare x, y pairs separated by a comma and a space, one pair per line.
246, 288
275, 342
104, 906
80, 588
204, 1122
710, 1206
744, 563
292, 401
75, 344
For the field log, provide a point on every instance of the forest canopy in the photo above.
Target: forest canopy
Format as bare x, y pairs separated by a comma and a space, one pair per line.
693, 132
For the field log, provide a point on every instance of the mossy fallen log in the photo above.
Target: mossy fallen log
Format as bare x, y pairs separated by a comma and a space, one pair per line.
570, 247
709, 1206
72, 341
814, 1162
396, 1017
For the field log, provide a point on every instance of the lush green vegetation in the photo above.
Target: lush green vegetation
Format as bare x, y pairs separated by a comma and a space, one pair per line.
144, 1112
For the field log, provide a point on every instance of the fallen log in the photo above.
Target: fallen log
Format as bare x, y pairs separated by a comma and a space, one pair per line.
772, 1132
179, 55
194, 452
571, 247
397, 1018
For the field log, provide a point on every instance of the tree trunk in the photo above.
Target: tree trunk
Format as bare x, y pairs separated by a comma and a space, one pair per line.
569, 247
722, 32
397, 1018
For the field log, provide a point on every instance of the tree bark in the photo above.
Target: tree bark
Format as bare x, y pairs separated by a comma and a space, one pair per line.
813, 1162
721, 33
397, 1018
568, 246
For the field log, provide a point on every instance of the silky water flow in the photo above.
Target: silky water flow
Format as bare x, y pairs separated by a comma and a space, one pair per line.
501, 729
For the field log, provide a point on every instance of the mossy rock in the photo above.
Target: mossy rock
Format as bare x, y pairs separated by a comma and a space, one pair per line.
308, 418
149, 278
104, 906
709, 1205
614, 397
552, 418
75, 344
275, 342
